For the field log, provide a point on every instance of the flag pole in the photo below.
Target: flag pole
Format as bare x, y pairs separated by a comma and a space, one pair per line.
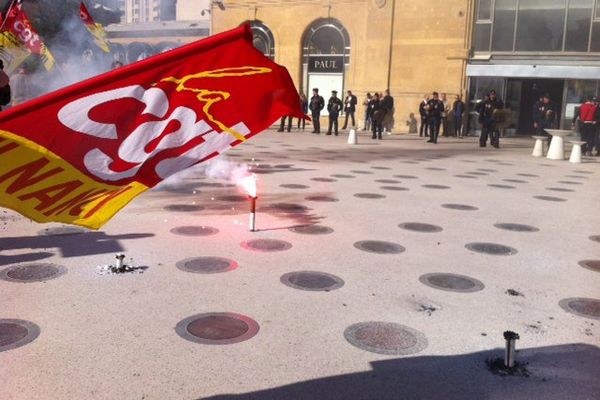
12, 3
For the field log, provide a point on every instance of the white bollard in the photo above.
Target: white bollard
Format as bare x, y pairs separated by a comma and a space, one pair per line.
538, 147
576, 151
352, 137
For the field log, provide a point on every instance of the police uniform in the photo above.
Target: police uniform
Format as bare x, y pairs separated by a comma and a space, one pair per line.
377, 115
436, 109
423, 112
489, 119
334, 106
544, 116
317, 103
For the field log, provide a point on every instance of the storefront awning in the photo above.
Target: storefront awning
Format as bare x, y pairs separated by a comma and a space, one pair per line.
534, 71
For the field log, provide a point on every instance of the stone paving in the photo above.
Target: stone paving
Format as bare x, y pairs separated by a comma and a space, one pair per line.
385, 270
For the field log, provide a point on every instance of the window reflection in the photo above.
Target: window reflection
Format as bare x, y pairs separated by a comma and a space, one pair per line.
541, 25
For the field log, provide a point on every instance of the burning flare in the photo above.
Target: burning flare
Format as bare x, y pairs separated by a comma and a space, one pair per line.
249, 184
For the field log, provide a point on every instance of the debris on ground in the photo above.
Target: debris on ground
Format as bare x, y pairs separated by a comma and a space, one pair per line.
497, 367
513, 292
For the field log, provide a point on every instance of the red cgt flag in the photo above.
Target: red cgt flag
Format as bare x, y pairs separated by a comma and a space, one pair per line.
80, 154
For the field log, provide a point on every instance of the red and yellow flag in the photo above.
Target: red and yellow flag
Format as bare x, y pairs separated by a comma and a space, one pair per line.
80, 154
18, 39
96, 30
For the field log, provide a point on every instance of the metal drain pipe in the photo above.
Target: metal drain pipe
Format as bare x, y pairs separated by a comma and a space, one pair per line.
509, 353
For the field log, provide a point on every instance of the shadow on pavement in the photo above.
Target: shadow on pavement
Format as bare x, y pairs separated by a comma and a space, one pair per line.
557, 373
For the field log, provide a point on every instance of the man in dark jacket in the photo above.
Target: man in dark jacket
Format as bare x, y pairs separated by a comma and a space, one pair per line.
489, 119
423, 112
317, 103
387, 105
436, 109
544, 115
334, 106
377, 115
350, 109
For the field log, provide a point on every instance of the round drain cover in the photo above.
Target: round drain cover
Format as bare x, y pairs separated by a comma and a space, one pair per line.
194, 230
234, 198
312, 281
217, 328
406, 176
385, 338
587, 308
37, 272
206, 265
420, 227
516, 227
494, 185
379, 247
491, 248
293, 186
369, 196
323, 179
394, 188
466, 176
435, 186
288, 208
312, 229
343, 176
595, 238
183, 208
460, 207
266, 245
392, 181
593, 265
362, 172
322, 198
558, 189
549, 198
452, 282
16, 333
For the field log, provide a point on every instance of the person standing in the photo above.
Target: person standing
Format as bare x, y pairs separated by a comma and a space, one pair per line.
489, 118
334, 106
21, 87
387, 105
588, 113
5, 92
350, 108
436, 109
458, 108
423, 112
367, 112
544, 116
282, 123
444, 99
317, 103
377, 115
304, 108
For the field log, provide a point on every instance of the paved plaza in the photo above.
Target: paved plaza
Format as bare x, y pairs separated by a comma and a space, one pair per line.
385, 270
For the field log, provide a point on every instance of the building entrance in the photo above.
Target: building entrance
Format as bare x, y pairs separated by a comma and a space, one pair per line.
522, 94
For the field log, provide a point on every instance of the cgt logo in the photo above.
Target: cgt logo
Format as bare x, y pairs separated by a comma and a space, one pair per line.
132, 150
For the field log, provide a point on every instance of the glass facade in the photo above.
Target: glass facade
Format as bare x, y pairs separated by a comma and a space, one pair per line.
525, 26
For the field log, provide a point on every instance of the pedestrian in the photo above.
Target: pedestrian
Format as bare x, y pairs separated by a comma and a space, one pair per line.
350, 109
317, 103
444, 99
588, 115
116, 64
423, 112
21, 87
5, 91
387, 104
436, 109
334, 106
367, 112
544, 116
458, 108
304, 108
377, 115
490, 118
596, 136
282, 123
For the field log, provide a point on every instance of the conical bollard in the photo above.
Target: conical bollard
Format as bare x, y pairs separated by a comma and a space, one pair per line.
352, 137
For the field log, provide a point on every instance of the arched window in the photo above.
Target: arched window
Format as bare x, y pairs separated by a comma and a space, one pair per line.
262, 38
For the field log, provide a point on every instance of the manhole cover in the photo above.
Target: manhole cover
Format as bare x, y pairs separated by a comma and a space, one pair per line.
385, 338
206, 265
233, 198
393, 181
593, 265
514, 180
491, 248
577, 176
62, 230
381, 168
312, 280
183, 208
409, 162
516, 227
549, 198
495, 185
420, 227
342, 176
312, 229
217, 328
557, 189
288, 208
487, 170
435, 186
477, 173
379, 247
293, 186
369, 196
194, 230
16, 333
322, 198
588, 308
570, 183
394, 188
362, 172
452, 282
266, 245
37, 272
406, 176
436, 169
466, 176
460, 207
323, 179
595, 238
529, 175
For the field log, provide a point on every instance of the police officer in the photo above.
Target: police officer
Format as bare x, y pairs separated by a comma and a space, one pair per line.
334, 106
317, 103
377, 115
489, 119
435, 108
544, 116
424, 112
350, 108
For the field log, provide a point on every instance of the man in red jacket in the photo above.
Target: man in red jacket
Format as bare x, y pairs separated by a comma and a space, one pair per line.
587, 117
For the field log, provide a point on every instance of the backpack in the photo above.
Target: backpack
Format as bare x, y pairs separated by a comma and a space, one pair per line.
5, 95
